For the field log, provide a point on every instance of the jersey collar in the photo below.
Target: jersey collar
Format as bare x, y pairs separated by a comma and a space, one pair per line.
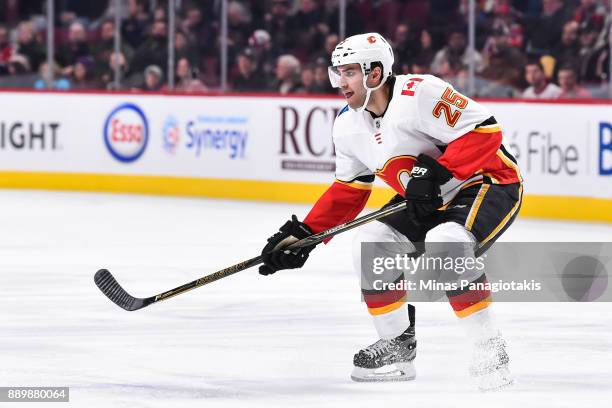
391, 83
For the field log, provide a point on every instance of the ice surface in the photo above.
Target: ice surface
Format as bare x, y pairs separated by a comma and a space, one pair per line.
283, 340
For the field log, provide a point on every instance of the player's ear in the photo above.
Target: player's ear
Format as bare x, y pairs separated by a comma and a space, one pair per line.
375, 76
378, 73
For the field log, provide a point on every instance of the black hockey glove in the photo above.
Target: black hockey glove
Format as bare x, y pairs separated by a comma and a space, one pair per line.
423, 189
276, 259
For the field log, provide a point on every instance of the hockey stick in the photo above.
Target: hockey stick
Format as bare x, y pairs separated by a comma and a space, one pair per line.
111, 288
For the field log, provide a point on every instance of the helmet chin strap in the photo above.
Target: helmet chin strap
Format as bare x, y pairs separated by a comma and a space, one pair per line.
368, 93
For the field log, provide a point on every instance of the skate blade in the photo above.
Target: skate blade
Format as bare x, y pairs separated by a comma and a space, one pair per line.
495, 381
391, 372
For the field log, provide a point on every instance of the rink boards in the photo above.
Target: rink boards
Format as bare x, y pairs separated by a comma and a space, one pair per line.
271, 148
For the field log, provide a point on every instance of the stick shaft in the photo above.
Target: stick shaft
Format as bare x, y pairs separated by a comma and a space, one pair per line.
205, 280
113, 290
311, 240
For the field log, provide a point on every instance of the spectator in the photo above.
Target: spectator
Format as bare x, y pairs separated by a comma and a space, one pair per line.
265, 55
65, 17
566, 52
590, 11
103, 49
154, 51
249, 78
568, 81
321, 78
28, 45
153, 79
199, 31
502, 16
159, 14
134, 28
455, 53
503, 62
573, 32
239, 24
281, 26
539, 87
183, 48
18, 65
287, 75
75, 48
426, 52
44, 78
82, 75
544, 31
591, 55
187, 77
331, 40
308, 79
406, 44
6, 50
107, 76
452, 71
311, 29
239, 29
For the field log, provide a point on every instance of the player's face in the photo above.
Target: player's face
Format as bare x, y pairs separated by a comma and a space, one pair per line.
351, 84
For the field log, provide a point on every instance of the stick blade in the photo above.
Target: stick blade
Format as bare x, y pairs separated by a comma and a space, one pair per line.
107, 283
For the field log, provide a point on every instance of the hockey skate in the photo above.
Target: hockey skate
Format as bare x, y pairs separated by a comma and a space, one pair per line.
489, 365
387, 360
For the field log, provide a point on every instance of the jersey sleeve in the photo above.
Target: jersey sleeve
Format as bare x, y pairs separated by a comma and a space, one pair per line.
342, 202
469, 133
348, 194
348, 167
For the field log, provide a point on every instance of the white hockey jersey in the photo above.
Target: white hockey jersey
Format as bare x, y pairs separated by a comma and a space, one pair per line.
424, 115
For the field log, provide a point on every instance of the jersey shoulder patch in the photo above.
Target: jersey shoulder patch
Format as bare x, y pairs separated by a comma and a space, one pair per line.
410, 84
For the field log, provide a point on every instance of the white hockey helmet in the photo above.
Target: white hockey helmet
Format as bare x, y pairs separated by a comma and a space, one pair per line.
362, 49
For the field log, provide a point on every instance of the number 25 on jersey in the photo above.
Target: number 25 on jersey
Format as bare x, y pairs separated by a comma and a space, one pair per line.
450, 99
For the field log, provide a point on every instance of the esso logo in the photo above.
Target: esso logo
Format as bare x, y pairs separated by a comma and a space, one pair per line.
126, 132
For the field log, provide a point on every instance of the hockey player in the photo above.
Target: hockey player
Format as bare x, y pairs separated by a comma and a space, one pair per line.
443, 152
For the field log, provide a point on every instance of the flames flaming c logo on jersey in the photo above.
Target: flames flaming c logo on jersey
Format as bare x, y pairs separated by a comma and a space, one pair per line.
396, 172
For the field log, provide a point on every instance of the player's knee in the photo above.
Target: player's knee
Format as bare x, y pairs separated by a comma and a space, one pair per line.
449, 232
373, 232
378, 235
450, 240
